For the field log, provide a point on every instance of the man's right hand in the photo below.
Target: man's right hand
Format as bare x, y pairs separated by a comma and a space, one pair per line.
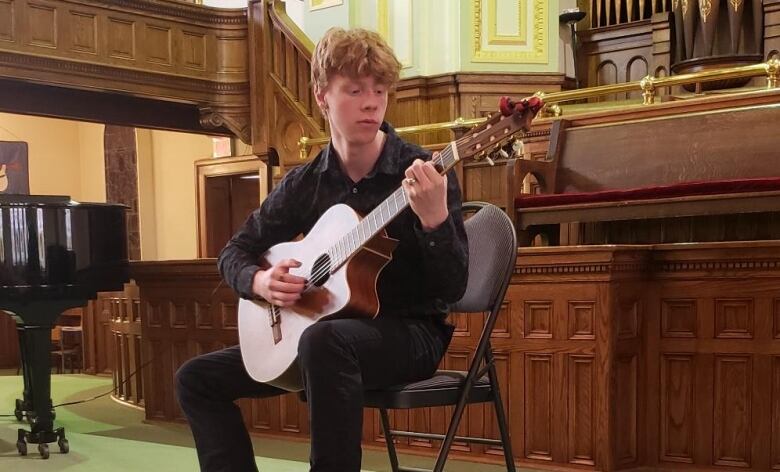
277, 285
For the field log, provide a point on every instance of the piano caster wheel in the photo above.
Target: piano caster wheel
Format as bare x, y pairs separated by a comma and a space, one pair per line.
43, 449
21, 446
64, 446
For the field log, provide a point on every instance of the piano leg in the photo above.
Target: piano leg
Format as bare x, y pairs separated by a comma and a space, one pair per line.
37, 405
23, 405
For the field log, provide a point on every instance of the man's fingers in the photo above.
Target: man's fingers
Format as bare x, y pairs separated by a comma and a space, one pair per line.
287, 287
288, 264
284, 299
290, 278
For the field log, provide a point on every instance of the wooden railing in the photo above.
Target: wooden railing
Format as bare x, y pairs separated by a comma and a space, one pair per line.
291, 52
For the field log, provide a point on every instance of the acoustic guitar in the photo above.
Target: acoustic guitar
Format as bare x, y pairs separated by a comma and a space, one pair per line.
342, 256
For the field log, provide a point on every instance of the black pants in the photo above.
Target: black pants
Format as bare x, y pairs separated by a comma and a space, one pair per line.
338, 360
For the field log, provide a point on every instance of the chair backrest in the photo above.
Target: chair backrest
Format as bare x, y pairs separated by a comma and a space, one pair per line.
492, 253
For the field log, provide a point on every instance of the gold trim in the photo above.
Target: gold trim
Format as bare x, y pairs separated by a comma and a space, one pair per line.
315, 5
536, 55
736, 4
383, 28
506, 40
705, 7
684, 6
383, 19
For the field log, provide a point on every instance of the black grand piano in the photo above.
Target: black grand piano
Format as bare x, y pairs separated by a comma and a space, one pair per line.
55, 254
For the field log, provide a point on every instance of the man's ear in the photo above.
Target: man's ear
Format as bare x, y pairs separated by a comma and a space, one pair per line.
319, 96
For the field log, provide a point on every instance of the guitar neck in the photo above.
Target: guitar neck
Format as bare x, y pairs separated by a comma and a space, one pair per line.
383, 214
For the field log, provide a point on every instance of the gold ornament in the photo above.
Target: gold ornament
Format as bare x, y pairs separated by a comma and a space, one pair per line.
705, 7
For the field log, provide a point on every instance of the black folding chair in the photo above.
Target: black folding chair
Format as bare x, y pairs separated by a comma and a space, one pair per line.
492, 252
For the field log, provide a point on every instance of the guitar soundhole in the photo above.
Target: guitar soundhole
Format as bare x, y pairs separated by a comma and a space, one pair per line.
320, 272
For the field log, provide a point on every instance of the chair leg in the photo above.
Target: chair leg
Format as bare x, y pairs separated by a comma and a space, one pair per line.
449, 438
389, 439
506, 440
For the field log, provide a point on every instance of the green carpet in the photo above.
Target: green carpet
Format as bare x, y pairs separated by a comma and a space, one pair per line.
105, 435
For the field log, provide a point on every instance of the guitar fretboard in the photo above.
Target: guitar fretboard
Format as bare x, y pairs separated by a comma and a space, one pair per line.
382, 215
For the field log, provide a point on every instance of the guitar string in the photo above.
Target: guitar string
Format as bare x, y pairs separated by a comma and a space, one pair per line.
321, 273
325, 269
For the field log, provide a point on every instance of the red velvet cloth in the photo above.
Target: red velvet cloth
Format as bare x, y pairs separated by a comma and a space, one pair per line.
685, 189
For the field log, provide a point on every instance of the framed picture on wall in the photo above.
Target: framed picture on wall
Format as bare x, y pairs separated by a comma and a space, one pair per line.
320, 4
14, 173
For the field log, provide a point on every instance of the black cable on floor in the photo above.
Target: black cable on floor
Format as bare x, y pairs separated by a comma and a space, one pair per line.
113, 389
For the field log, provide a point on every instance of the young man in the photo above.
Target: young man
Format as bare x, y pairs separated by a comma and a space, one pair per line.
352, 72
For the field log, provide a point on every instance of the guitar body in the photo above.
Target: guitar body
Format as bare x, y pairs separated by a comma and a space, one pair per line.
269, 349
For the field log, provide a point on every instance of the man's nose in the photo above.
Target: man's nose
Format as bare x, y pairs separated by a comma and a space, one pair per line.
371, 102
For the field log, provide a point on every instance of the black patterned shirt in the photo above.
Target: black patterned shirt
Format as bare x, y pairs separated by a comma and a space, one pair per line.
427, 270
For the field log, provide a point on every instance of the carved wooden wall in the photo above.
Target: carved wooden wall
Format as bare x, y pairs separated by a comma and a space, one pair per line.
610, 357
125, 315
170, 52
626, 54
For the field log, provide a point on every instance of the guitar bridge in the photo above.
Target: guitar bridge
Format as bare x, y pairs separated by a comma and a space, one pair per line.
275, 318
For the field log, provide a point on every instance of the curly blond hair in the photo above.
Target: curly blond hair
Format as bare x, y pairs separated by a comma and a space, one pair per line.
354, 53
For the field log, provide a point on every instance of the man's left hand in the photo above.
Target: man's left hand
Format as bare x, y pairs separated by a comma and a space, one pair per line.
426, 190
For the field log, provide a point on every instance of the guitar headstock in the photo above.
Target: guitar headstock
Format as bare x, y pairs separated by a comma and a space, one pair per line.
514, 116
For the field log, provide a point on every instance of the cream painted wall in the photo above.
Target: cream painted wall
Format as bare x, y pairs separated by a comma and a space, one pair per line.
64, 157
173, 157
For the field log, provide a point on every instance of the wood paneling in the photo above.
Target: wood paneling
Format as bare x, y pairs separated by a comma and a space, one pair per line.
606, 361
732, 419
581, 403
677, 407
538, 406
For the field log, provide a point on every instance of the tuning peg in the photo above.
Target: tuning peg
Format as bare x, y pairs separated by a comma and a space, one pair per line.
503, 153
490, 161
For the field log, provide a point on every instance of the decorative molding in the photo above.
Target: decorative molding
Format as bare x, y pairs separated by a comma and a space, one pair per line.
193, 12
705, 7
383, 19
148, 79
742, 265
583, 268
730, 265
736, 4
236, 120
539, 41
507, 40
315, 5
384, 29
